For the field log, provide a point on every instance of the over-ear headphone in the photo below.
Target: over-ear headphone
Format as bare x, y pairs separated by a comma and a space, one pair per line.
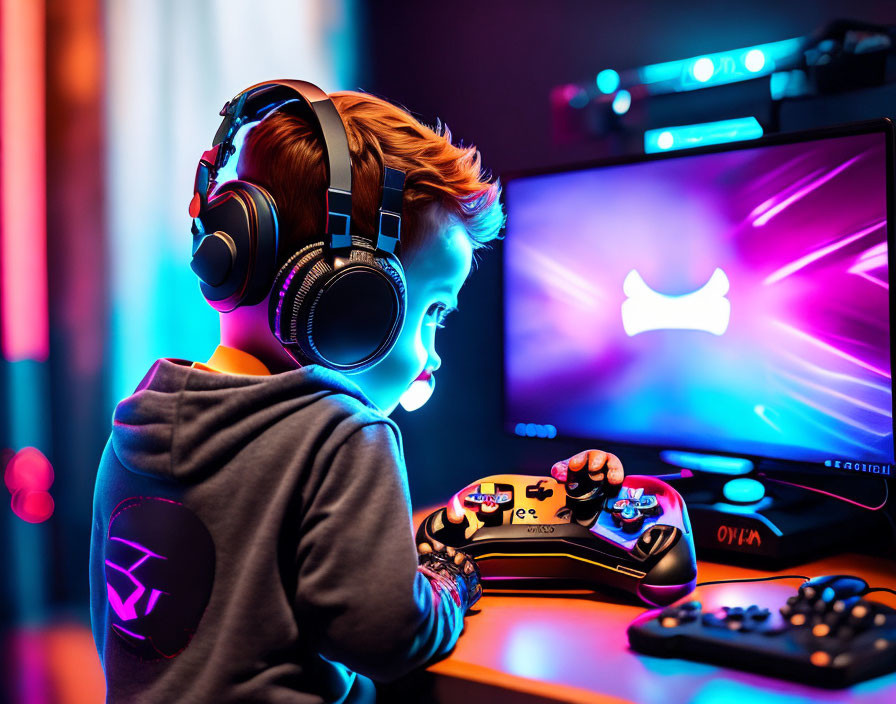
339, 301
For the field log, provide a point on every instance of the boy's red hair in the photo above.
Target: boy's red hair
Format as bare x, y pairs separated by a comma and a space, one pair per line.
284, 155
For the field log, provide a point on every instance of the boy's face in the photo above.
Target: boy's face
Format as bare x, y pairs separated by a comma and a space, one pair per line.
434, 274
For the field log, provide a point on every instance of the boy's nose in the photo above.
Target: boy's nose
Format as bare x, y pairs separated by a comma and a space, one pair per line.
434, 361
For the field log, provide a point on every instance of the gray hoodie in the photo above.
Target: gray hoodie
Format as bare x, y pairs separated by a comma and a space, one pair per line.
252, 542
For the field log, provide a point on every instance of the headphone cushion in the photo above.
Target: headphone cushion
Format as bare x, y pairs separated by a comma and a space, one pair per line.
247, 214
345, 314
266, 230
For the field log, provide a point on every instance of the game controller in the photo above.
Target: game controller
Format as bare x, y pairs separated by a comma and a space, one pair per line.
825, 635
635, 536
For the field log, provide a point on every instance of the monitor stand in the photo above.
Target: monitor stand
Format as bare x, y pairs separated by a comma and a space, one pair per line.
739, 514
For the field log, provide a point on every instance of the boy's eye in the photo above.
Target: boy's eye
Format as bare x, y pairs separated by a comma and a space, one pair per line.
440, 311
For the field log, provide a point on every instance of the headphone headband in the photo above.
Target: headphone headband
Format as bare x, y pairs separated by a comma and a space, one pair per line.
260, 100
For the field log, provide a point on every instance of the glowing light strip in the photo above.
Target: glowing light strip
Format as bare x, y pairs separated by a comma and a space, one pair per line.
829, 348
667, 139
23, 247
802, 262
719, 68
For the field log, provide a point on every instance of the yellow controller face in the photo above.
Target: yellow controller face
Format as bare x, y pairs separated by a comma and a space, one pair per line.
509, 499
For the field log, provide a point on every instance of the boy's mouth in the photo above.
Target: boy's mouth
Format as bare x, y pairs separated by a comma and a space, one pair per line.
418, 393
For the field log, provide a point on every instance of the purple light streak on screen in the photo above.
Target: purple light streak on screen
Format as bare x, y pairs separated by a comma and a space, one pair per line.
803, 370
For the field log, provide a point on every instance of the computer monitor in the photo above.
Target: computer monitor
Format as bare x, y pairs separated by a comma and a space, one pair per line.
731, 300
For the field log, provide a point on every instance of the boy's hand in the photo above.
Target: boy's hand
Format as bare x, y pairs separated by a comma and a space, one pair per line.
601, 465
448, 568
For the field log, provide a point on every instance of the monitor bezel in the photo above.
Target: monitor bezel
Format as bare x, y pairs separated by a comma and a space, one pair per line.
884, 126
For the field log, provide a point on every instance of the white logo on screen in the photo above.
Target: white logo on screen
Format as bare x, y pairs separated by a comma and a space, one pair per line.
704, 309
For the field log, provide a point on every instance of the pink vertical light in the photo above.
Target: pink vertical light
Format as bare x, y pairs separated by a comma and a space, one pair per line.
23, 224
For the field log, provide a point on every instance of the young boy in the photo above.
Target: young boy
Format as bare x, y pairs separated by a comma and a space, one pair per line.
252, 537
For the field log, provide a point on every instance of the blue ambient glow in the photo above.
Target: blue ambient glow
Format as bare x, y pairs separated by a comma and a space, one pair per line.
699, 135
719, 68
743, 491
535, 430
715, 464
607, 81
622, 102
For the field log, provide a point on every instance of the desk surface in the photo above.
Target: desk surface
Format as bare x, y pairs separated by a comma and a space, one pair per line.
572, 646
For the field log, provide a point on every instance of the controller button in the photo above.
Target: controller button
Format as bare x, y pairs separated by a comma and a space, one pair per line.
880, 620
538, 492
842, 660
712, 620
798, 619
757, 614
669, 622
691, 606
736, 613
821, 630
820, 658
808, 592
881, 644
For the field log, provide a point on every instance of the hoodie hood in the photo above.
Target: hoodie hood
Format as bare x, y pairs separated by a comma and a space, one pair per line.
183, 423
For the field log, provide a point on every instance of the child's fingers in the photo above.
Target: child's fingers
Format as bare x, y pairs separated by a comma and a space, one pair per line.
576, 462
558, 471
424, 548
615, 472
596, 460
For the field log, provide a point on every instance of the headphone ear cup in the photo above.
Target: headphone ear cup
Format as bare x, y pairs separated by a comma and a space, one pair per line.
243, 217
345, 314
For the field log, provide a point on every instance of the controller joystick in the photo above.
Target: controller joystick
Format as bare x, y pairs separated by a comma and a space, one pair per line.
585, 495
631, 507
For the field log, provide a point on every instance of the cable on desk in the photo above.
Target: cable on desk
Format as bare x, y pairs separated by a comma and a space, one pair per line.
832, 495
755, 579
881, 589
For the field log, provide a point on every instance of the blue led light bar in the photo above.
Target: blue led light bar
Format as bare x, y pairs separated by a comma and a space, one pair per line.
666, 139
719, 68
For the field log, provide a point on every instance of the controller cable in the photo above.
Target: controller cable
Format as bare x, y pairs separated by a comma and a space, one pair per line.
879, 507
755, 579
784, 576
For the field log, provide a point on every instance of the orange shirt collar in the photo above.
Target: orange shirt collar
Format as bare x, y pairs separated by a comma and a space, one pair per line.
229, 360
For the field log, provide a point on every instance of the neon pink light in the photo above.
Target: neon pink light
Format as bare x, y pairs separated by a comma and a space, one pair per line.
23, 231
153, 598
32, 506
786, 271
130, 633
803, 192
127, 609
28, 469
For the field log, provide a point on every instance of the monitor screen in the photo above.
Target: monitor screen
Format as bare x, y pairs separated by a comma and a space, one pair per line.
734, 302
